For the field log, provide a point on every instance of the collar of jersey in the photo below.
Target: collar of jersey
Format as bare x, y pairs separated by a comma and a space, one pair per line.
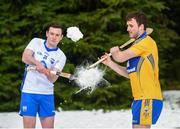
143, 35
50, 49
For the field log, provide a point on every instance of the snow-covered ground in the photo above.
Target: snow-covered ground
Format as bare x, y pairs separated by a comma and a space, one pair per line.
170, 117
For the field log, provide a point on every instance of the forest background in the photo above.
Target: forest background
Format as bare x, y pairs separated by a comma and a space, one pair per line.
103, 24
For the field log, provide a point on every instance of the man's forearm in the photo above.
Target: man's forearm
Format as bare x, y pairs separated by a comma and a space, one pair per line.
119, 69
30, 60
27, 57
52, 78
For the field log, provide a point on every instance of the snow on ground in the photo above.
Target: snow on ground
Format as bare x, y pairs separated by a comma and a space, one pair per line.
170, 117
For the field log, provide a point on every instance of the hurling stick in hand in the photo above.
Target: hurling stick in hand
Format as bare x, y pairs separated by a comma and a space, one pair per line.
96, 63
148, 31
62, 74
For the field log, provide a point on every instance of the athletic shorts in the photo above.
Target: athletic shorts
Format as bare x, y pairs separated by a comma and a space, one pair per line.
33, 104
146, 111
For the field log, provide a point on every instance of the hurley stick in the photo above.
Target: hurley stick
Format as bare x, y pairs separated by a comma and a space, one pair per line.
148, 31
62, 74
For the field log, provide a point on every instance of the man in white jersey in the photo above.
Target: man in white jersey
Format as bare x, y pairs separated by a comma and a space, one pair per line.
37, 87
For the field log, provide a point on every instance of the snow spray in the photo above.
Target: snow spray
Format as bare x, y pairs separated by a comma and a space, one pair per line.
89, 78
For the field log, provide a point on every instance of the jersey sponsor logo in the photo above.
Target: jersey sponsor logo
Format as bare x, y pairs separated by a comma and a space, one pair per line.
45, 56
39, 53
131, 70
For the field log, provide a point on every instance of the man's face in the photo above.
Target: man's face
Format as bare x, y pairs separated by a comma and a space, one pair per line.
54, 36
132, 28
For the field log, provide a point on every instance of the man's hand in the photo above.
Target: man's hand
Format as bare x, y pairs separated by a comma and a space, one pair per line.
40, 68
52, 77
107, 61
117, 54
114, 50
28, 58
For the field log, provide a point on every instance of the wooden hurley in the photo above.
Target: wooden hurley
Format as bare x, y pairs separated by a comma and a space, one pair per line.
148, 31
62, 74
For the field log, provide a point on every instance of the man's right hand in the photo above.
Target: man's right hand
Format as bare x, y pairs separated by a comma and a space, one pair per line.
28, 58
107, 61
40, 68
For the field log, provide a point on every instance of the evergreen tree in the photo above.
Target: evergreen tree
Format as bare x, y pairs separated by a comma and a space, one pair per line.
103, 25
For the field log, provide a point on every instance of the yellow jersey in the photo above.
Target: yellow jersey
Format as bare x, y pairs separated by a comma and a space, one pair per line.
143, 70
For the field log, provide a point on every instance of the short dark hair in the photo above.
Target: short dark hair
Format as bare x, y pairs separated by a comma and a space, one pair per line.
139, 16
56, 25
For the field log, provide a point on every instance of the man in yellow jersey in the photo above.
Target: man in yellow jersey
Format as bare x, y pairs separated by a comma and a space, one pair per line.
142, 70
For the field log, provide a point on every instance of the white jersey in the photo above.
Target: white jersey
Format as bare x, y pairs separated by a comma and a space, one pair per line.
38, 83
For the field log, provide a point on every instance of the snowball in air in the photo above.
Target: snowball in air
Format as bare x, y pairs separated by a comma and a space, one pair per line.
74, 33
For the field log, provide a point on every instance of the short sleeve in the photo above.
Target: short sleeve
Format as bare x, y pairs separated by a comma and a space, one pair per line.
140, 48
61, 62
33, 44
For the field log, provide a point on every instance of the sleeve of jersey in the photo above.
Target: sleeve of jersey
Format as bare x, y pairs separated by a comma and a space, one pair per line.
139, 48
32, 44
61, 63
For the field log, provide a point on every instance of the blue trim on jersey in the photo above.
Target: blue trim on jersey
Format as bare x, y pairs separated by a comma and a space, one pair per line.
44, 64
133, 63
24, 77
50, 49
143, 35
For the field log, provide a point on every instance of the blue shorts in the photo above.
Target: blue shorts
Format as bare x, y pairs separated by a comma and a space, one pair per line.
31, 104
146, 111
